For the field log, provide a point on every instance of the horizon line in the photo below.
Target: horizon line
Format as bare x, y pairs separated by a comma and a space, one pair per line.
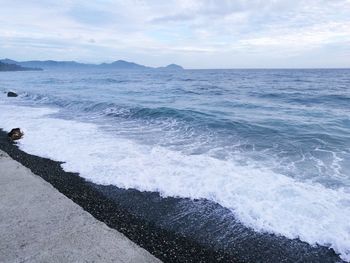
233, 68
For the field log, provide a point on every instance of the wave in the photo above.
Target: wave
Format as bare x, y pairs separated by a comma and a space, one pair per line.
259, 197
289, 147
123, 111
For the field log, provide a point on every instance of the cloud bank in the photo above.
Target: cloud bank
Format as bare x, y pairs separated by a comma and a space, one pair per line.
193, 33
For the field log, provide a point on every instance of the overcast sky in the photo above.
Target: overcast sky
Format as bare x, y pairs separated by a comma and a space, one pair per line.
192, 33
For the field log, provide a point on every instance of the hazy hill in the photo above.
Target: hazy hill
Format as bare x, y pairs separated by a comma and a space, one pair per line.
121, 64
52, 64
14, 67
172, 67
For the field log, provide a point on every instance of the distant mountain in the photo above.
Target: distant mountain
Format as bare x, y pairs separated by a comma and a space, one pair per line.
172, 67
52, 64
14, 67
122, 64
8, 61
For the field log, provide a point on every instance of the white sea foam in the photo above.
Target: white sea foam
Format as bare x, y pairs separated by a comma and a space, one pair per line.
259, 197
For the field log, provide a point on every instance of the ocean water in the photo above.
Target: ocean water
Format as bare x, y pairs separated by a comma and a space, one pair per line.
272, 146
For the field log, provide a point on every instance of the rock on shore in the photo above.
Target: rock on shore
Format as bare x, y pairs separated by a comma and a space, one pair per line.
11, 94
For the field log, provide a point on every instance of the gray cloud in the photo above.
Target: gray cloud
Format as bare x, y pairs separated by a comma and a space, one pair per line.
225, 33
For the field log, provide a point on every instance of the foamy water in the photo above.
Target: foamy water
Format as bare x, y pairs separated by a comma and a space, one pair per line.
260, 197
272, 146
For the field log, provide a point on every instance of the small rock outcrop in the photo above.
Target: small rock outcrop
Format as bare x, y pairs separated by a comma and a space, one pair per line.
15, 134
11, 94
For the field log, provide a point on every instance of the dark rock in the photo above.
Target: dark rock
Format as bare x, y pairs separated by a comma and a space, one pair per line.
15, 134
11, 94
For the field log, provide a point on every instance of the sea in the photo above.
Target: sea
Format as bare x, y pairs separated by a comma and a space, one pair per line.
271, 147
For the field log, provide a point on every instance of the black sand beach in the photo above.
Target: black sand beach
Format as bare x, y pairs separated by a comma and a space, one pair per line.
172, 229
165, 245
40, 224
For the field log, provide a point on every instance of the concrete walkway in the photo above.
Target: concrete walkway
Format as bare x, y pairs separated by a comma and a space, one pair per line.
39, 224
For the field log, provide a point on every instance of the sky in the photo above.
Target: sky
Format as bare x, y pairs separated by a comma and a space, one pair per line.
192, 33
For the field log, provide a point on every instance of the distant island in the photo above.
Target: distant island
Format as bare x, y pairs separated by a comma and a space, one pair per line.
172, 67
52, 64
15, 67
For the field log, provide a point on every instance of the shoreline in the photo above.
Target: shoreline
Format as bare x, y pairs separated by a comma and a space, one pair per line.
135, 214
40, 224
163, 244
